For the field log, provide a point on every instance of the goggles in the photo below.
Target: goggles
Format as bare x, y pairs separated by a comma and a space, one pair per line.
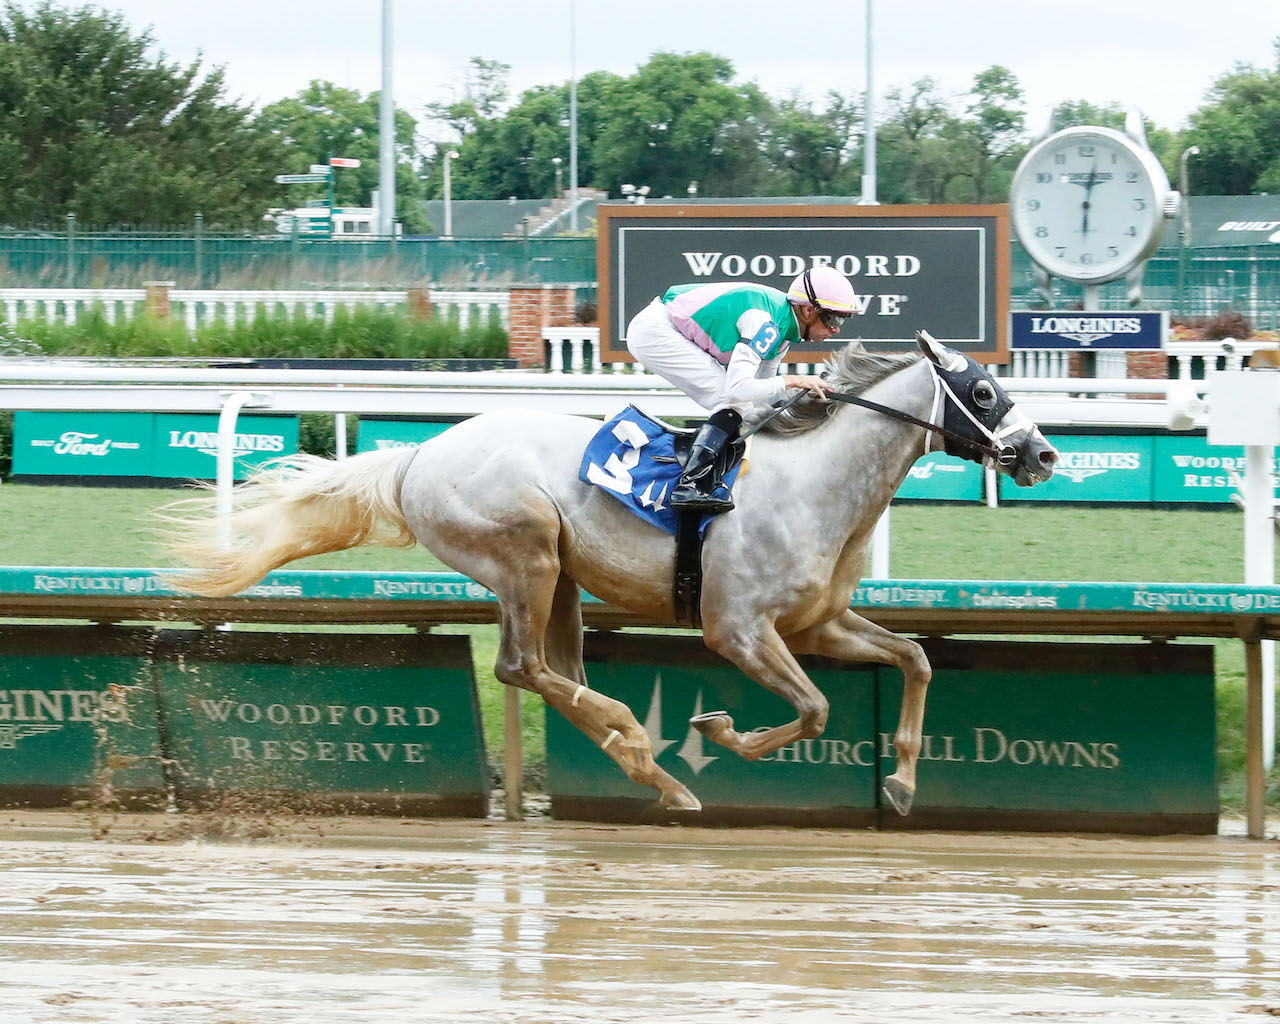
831, 320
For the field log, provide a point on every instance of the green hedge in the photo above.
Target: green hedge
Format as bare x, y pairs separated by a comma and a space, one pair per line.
363, 333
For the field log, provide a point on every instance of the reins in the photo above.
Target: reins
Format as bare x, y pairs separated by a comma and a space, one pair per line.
1004, 455
1001, 454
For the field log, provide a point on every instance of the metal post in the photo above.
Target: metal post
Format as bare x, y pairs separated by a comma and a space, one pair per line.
1255, 778
199, 245
880, 548
449, 157
1184, 226
573, 117
386, 134
1259, 569
513, 755
869, 129
71, 250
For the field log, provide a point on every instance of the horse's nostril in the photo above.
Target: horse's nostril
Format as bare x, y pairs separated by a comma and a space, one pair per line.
1048, 457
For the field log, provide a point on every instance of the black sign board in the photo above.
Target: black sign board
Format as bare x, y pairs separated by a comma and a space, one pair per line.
943, 269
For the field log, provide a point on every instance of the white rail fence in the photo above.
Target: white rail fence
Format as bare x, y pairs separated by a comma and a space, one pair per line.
571, 349
203, 306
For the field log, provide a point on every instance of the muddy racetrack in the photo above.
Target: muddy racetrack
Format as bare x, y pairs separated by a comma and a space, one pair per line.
362, 920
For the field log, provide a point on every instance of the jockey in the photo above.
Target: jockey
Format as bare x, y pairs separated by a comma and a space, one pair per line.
721, 344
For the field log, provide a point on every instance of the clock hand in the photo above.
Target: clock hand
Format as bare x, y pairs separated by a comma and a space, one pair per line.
1088, 189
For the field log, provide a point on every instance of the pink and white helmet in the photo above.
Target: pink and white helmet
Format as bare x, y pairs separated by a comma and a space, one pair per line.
825, 288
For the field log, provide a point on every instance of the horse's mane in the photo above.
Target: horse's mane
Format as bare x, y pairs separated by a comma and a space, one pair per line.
853, 369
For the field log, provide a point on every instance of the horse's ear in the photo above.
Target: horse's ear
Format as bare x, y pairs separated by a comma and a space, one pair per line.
934, 352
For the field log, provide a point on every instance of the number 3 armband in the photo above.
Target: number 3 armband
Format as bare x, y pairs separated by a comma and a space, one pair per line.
764, 339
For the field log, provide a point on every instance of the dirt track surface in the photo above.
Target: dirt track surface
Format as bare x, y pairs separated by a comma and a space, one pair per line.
360, 920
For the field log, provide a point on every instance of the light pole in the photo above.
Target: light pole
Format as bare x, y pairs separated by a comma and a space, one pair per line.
557, 162
449, 157
869, 131
1184, 228
386, 135
573, 117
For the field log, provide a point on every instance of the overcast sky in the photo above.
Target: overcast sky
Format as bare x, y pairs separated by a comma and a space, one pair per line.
1161, 55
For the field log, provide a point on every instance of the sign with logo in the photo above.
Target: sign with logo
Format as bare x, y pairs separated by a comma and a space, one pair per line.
1119, 737
942, 477
941, 268
142, 444
372, 435
391, 721
1188, 468
186, 445
1046, 329
1093, 468
74, 702
110, 444
665, 681
372, 721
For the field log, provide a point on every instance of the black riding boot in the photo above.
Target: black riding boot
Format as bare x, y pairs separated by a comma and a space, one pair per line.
700, 486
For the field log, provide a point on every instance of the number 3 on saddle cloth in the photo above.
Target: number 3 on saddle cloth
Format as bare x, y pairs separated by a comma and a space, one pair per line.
637, 459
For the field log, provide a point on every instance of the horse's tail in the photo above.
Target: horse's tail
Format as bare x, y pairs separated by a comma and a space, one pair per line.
294, 506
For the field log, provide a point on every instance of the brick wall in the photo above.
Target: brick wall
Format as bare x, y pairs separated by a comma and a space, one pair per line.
1148, 365
531, 310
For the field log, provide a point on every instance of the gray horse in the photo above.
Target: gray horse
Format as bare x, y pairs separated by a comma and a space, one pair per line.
498, 498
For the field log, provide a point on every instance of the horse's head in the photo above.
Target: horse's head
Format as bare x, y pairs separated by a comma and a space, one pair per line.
977, 408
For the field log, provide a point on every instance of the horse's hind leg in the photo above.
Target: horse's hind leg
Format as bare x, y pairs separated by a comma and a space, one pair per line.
541, 650
849, 637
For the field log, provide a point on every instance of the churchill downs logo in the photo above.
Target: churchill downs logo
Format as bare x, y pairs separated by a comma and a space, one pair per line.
1078, 466
206, 441
984, 745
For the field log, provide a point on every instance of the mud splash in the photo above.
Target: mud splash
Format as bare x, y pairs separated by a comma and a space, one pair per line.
360, 920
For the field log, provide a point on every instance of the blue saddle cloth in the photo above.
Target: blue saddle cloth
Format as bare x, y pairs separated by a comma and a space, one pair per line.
632, 457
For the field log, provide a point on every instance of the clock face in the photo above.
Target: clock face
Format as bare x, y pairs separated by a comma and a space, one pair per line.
1086, 204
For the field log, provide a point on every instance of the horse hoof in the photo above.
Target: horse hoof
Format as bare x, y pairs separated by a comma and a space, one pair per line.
681, 800
897, 793
716, 726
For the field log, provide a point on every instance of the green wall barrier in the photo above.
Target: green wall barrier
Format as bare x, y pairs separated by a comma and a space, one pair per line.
141, 444
942, 477
373, 434
1018, 735
361, 722
1093, 468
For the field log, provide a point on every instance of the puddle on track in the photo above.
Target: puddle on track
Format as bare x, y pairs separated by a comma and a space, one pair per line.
554, 923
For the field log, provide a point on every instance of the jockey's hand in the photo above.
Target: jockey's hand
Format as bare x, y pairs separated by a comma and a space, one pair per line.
814, 383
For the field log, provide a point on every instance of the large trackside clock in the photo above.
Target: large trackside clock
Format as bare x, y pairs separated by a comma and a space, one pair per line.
1089, 204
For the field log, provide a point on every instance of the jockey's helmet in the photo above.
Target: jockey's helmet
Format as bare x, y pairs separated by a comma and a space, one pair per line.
827, 290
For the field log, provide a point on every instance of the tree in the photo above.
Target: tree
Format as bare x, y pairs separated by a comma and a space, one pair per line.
325, 120
1238, 132
92, 125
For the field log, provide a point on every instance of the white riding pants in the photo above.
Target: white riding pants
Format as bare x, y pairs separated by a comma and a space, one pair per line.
663, 350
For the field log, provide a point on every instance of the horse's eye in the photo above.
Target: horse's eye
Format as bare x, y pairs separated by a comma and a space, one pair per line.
984, 395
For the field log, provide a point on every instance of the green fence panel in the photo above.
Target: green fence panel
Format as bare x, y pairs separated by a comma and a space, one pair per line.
1107, 737
353, 722
186, 444
665, 681
942, 477
1060, 735
1093, 468
1188, 468
77, 718
111, 444
374, 434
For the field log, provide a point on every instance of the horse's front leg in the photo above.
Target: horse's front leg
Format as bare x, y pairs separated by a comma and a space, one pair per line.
849, 637
758, 650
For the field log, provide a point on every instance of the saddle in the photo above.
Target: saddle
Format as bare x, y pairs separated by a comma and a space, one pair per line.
637, 458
